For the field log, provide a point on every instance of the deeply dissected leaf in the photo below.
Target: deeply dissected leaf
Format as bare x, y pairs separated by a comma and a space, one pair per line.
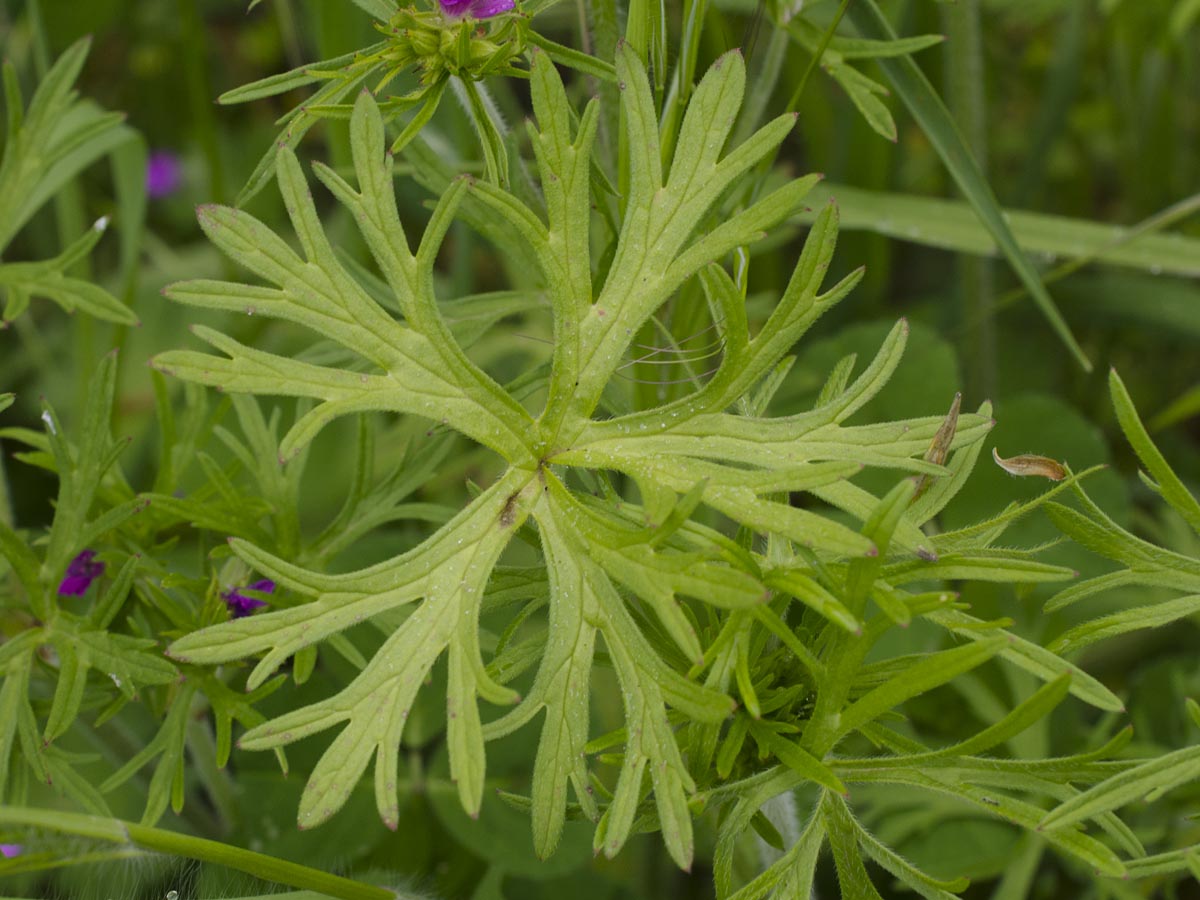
650, 588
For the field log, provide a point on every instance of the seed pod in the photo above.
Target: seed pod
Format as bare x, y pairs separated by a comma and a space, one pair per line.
1028, 464
939, 447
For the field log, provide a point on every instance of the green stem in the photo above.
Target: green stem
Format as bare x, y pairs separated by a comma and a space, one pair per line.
144, 837
766, 165
200, 96
842, 660
217, 782
967, 100
816, 57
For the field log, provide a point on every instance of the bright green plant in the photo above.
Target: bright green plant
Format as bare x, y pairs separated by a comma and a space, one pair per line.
735, 580
620, 570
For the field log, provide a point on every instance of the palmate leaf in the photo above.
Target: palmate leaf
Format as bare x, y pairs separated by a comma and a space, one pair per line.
633, 575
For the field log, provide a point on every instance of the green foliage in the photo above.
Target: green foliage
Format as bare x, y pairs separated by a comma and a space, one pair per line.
939, 127
46, 146
650, 562
683, 455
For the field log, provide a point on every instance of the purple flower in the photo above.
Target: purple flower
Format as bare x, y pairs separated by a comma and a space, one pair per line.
164, 174
8, 851
80, 574
241, 605
474, 9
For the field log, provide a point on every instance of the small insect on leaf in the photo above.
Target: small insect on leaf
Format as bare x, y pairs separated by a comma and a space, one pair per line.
1028, 464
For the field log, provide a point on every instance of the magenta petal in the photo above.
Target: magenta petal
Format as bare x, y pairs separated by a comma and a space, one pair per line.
485, 9
476, 9
8, 851
74, 585
164, 173
240, 604
81, 572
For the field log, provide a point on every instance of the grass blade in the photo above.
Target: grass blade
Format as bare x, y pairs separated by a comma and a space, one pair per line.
930, 112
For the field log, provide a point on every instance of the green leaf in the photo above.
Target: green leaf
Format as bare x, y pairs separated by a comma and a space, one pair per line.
991, 802
574, 59
50, 143
1171, 862
637, 561
166, 784
908, 874
383, 10
488, 128
1170, 486
792, 875
879, 528
376, 703
68, 694
13, 697
1036, 660
853, 879
340, 599
932, 671
561, 686
796, 758
904, 871
857, 48
48, 279
299, 121
985, 566
814, 596
1101, 535
1155, 776
863, 92
1151, 616
954, 225
283, 82
1026, 714
25, 564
